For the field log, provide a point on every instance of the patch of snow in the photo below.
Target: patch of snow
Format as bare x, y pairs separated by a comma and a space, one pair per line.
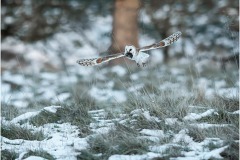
144, 16
207, 125
101, 123
228, 92
136, 87
119, 70
108, 95
21, 155
150, 138
162, 148
209, 93
201, 150
61, 97
19, 47
34, 158
171, 121
201, 20
49, 76
9, 20
14, 78
36, 56
12, 142
192, 106
110, 84
147, 115
182, 137
5, 88
46, 93
236, 112
149, 155
20, 103
24, 116
169, 85
157, 56
68, 79
194, 116
52, 109
25, 93
85, 72
136, 112
97, 111
190, 49
219, 84
81, 144
213, 154
149, 132
176, 71
134, 76
63, 141
160, 14
102, 130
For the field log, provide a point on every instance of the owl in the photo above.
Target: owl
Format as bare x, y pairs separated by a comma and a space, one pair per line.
131, 52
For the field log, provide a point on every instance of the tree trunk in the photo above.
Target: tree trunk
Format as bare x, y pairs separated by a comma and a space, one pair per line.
125, 26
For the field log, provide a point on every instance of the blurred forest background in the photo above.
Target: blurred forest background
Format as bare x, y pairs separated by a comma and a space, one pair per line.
54, 32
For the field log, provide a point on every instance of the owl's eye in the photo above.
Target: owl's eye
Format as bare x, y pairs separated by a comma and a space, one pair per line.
130, 49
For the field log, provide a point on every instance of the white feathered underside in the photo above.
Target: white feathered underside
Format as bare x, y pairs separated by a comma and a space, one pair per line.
141, 58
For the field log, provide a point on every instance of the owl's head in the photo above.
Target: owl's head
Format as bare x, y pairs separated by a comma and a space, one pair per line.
130, 52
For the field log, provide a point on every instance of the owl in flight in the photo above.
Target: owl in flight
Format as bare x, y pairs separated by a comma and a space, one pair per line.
133, 53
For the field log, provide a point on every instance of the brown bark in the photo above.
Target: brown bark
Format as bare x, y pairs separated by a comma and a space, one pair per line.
125, 25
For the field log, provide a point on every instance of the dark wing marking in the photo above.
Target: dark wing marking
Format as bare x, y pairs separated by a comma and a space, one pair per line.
100, 60
163, 43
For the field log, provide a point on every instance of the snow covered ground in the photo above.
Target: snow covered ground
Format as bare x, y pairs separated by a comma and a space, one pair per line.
62, 140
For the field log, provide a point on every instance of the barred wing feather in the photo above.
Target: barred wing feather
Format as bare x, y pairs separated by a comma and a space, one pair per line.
100, 60
163, 43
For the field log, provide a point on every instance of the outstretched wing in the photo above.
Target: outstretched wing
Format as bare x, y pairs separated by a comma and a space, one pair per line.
100, 60
163, 43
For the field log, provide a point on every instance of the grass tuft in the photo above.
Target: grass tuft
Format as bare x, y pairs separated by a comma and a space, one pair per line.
13, 131
8, 155
9, 111
232, 152
87, 155
76, 115
44, 117
121, 140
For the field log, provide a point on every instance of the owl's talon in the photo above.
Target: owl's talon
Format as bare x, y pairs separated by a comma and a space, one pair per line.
144, 64
138, 64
